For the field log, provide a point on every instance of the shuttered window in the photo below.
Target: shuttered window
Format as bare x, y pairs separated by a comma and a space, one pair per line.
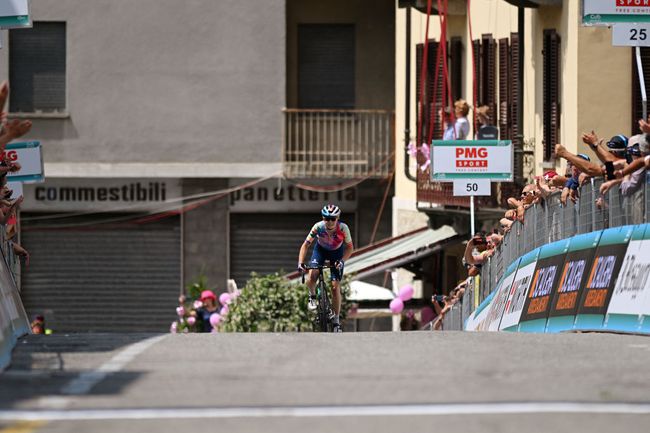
428, 103
551, 55
485, 53
456, 72
504, 89
508, 99
637, 105
326, 72
37, 68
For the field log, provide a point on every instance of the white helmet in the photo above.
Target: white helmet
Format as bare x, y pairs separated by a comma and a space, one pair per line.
330, 210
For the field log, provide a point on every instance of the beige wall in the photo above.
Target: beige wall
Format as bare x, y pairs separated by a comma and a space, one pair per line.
375, 45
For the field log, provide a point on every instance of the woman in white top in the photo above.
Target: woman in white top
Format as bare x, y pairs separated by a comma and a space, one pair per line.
460, 130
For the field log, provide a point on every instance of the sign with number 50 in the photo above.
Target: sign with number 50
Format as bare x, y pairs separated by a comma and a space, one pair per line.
631, 35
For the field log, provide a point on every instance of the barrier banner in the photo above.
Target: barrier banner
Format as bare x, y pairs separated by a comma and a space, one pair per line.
602, 277
476, 319
493, 319
518, 291
632, 285
545, 279
573, 278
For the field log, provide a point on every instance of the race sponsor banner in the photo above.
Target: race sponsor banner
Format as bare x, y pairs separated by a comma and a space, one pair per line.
470, 159
14, 14
518, 291
478, 316
602, 277
30, 157
632, 285
573, 277
493, 319
547, 274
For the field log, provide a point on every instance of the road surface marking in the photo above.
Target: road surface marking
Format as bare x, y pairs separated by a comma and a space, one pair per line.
85, 382
329, 411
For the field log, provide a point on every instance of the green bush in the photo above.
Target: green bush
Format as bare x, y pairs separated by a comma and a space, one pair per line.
269, 303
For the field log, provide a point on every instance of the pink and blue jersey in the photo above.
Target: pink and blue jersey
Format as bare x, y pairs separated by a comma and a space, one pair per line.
329, 241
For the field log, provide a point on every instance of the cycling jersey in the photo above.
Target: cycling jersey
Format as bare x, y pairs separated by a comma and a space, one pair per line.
329, 241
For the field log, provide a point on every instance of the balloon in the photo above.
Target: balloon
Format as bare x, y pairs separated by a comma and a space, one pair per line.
225, 299
180, 311
173, 328
215, 319
191, 320
427, 314
224, 310
406, 293
396, 306
197, 304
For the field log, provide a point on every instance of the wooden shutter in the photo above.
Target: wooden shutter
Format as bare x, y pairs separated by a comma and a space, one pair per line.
637, 105
513, 124
456, 68
432, 57
504, 88
37, 68
490, 88
478, 70
551, 91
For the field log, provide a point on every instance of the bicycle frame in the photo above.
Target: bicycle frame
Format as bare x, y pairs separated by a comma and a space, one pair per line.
324, 311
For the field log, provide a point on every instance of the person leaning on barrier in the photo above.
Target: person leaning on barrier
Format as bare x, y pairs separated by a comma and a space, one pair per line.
10, 129
644, 147
480, 244
635, 180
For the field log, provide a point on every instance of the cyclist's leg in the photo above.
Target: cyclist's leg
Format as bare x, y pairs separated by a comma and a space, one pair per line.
317, 259
336, 275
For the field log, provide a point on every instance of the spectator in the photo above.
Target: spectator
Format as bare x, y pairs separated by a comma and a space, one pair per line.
209, 307
486, 130
38, 325
459, 130
477, 251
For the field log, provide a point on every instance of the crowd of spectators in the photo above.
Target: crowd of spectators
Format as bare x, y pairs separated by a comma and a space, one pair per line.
622, 161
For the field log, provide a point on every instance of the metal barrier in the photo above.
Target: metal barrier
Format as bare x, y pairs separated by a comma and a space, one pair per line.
550, 221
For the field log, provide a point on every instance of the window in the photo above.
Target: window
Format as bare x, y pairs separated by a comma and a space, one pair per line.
551, 54
508, 112
485, 54
326, 71
637, 103
37, 68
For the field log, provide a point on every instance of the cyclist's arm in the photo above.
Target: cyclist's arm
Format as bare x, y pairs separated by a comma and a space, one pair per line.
313, 234
349, 246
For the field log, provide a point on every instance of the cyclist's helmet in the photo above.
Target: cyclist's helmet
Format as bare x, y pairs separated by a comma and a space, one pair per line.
330, 210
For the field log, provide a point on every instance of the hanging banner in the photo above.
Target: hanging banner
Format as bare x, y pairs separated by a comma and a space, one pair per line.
14, 14
605, 12
518, 291
31, 161
602, 277
575, 272
471, 159
547, 274
626, 305
478, 316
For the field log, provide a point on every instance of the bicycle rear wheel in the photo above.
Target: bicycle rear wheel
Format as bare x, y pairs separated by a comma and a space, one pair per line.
323, 309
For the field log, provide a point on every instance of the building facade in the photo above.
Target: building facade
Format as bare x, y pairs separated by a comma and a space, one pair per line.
186, 139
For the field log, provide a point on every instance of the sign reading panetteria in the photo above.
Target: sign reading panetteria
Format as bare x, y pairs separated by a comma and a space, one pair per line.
604, 12
14, 14
469, 159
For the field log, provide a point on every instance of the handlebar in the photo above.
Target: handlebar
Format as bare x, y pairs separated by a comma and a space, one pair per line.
307, 267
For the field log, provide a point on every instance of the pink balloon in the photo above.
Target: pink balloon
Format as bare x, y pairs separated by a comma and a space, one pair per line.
406, 292
180, 311
215, 319
173, 328
225, 298
396, 306
224, 310
191, 320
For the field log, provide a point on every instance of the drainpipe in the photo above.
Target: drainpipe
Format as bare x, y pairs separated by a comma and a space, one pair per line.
407, 98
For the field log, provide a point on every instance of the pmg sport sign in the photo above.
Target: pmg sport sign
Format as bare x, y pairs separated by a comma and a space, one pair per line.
605, 12
468, 159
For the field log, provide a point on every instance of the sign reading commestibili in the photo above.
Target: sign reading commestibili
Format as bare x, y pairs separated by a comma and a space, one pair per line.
471, 159
604, 12
14, 14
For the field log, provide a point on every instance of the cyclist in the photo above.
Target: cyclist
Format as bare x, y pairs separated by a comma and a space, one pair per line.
333, 243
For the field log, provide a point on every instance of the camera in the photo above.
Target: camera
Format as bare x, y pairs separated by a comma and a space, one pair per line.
438, 298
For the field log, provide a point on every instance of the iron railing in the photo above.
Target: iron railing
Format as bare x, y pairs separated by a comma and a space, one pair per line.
338, 143
550, 221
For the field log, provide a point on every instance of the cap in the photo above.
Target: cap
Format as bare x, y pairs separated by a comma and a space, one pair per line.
550, 174
617, 143
583, 156
208, 294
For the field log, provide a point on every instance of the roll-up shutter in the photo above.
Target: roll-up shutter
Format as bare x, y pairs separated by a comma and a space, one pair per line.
268, 243
326, 65
123, 279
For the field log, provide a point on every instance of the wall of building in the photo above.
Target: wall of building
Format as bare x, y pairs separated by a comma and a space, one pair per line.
195, 87
375, 45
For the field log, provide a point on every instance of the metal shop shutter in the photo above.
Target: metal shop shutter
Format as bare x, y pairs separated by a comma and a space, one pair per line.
125, 279
267, 243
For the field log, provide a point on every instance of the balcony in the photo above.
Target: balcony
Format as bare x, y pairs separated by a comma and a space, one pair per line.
338, 143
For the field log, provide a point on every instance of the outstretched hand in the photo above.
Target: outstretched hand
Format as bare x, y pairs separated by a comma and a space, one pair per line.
590, 138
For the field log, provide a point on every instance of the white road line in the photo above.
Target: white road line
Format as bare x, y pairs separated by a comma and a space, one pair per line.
329, 411
85, 382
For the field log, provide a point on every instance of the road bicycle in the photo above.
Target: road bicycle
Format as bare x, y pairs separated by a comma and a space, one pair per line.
324, 314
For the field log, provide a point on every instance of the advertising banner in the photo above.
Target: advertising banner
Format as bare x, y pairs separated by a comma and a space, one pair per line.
547, 274
573, 278
478, 316
603, 12
493, 319
602, 277
518, 291
469, 159
632, 285
14, 14
30, 158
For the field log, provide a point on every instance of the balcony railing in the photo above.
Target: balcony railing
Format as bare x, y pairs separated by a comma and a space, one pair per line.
338, 143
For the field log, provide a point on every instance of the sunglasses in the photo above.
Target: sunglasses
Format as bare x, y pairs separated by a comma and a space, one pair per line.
329, 218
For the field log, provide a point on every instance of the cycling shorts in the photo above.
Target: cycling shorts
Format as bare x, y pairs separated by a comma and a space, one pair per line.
320, 254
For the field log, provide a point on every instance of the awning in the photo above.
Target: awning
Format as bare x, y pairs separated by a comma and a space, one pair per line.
395, 252
398, 251
361, 291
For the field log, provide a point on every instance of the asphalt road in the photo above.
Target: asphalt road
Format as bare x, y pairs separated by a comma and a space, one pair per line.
364, 382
